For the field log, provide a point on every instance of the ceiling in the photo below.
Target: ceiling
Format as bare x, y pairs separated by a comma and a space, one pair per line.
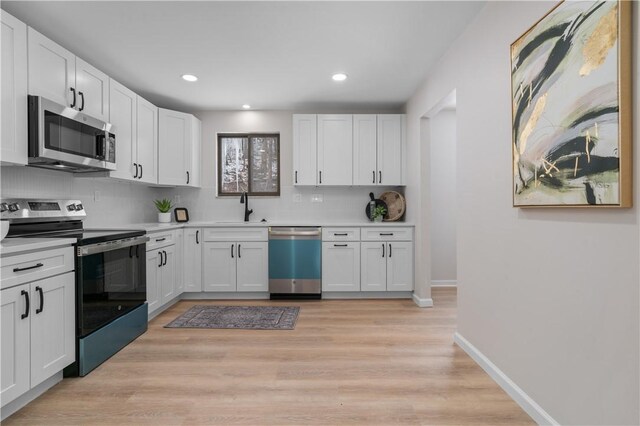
271, 55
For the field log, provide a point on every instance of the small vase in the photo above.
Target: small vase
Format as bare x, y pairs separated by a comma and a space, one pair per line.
164, 217
378, 219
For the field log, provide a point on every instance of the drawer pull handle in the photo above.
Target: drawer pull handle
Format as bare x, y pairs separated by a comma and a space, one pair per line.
340, 245
37, 265
164, 238
340, 235
387, 234
39, 290
26, 298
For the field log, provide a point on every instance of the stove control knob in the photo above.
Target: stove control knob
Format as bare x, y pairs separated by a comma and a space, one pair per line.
79, 207
71, 207
14, 207
4, 207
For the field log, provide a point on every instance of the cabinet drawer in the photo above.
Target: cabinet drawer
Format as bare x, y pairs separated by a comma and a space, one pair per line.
387, 234
161, 239
29, 267
340, 234
235, 234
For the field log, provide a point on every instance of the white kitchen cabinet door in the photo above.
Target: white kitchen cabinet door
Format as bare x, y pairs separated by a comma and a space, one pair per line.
92, 86
340, 266
253, 266
390, 149
335, 149
53, 326
123, 117
219, 266
399, 266
154, 280
146, 141
373, 266
13, 90
193, 154
305, 149
179, 262
14, 334
192, 260
168, 274
365, 168
52, 70
174, 134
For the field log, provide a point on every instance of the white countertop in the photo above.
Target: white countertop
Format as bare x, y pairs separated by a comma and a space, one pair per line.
158, 227
10, 246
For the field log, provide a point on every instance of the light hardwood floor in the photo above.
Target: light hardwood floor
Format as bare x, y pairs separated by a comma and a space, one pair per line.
347, 362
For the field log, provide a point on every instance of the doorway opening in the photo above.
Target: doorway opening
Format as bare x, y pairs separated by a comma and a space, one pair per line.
439, 138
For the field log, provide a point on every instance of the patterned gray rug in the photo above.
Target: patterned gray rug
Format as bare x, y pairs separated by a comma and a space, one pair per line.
247, 317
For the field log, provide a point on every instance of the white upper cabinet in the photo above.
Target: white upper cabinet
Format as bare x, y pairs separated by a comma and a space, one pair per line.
93, 90
135, 123
365, 166
335, 149
13, 73
123, 117
345, 150
304, 149
177, 148
194, 152
146, 141
52, 70
391, 149
58, 75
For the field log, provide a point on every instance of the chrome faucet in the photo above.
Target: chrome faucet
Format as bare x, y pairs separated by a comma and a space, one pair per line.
244, 199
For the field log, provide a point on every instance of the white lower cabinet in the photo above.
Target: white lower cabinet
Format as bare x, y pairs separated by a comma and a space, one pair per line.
179, 261
161, 276
192, 260
235, 266
387, 266
37, 332
340, 266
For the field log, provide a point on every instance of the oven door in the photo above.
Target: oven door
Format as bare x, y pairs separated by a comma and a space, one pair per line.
111, 281
63, 136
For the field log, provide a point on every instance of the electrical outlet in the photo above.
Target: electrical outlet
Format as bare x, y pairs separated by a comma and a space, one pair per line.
176, 199
316, 198
96, 195
297, 198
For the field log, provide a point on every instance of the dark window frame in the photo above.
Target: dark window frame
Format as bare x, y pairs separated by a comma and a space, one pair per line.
249, 156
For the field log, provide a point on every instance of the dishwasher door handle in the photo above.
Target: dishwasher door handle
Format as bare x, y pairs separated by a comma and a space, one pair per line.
309, 233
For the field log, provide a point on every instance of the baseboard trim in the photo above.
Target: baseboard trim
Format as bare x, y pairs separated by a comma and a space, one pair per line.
328, 295
444, 283
225, 296
536, 412
422, 302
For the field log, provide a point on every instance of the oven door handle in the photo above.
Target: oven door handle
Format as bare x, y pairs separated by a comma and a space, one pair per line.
111, 245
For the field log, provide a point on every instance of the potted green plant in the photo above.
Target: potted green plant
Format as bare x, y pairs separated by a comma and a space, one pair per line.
164, 210
378, 213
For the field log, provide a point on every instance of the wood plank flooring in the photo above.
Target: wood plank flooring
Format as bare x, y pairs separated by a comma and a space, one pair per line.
372, 362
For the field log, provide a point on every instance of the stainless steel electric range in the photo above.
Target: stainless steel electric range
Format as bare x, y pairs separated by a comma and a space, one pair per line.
110, 268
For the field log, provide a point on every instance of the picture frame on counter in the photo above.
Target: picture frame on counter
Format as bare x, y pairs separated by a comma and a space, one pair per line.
181, 214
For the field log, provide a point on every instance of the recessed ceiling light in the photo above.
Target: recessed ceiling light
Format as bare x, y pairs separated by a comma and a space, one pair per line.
339, 76
189, 77
246, 106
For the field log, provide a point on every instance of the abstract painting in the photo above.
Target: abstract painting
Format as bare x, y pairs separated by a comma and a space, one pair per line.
571, 107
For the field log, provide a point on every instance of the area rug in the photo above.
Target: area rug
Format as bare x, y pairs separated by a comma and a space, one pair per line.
245, 317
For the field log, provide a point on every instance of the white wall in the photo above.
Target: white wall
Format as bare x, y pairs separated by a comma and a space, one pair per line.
442, 143
119, 203
338, 203
549, 296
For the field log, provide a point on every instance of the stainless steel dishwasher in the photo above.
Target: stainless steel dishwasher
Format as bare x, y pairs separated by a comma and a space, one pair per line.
295, 262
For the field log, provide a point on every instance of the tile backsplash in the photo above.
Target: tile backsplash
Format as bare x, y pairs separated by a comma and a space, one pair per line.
110, 202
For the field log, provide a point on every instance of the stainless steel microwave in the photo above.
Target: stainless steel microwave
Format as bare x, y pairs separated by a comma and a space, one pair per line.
63, 138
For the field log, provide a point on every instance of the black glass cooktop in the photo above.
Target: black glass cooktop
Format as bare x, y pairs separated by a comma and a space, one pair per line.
71, 230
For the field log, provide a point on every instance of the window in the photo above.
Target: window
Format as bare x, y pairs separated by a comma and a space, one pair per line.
249, 163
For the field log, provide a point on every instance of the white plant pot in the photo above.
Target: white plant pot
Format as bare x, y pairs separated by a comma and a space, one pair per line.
164, 217
378, 219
